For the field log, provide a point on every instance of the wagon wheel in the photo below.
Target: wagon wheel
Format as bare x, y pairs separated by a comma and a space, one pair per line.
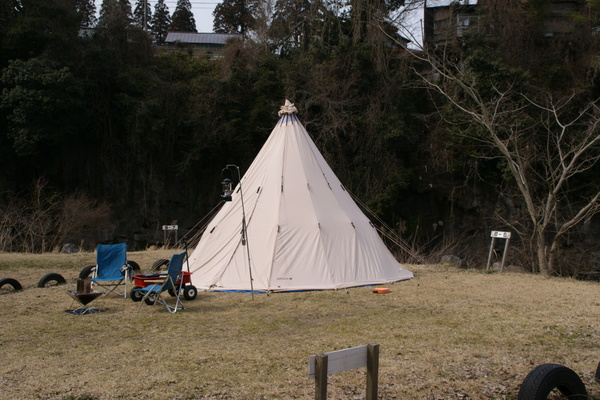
151, 299
135, 294
190, 292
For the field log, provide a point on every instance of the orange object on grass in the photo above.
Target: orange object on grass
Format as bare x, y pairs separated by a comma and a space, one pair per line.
381, 290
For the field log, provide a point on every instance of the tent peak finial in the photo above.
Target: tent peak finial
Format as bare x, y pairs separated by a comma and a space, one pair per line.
288, 108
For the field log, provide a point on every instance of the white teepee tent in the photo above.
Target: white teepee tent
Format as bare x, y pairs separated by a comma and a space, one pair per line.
304, 231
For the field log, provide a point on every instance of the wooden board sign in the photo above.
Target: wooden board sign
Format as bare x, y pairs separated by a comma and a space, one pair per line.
341, 360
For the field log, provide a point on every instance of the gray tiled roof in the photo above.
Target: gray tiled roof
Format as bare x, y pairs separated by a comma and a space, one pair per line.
200, 38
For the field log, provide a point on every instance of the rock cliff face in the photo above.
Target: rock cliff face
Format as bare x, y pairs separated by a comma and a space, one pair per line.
458, 226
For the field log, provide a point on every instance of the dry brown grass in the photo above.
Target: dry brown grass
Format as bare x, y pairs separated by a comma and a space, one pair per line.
447, 334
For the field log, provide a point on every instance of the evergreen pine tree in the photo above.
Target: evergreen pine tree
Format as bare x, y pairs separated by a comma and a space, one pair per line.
183, 18
161, 20
115, 12
291, 22
87, 10
234, 16
142, 14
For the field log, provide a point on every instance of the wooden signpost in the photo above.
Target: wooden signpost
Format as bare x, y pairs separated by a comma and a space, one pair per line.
324, 364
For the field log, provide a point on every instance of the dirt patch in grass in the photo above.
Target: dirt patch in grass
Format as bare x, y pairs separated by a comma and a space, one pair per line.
447, 334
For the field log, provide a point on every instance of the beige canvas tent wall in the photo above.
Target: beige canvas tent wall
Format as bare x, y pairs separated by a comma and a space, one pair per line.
304, 231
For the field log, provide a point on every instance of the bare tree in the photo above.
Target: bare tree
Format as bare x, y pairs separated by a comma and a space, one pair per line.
44, 220
547, 142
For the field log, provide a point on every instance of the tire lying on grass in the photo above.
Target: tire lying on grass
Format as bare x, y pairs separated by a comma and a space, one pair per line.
135, 267
598, 373
131, 268
86, 272
159, 263
47, 280
11, 282
543, 379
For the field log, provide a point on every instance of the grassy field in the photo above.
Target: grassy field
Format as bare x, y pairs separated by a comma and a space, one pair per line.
447, 334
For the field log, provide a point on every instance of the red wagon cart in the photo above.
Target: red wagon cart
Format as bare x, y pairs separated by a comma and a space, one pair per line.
184, 282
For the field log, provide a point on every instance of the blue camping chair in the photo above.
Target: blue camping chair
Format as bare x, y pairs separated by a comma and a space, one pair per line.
111, 268
153, 293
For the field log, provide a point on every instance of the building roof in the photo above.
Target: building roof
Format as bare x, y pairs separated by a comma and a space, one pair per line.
200, 38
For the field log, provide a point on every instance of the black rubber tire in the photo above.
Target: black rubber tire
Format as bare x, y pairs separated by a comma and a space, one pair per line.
150, 299
135, 294
546, 377
11, 282
135, 267
172, 292
597, 376
190, 292
159, 263
86, 272
51, 277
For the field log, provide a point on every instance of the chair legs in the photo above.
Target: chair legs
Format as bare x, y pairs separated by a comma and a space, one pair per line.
113, 287
153, 295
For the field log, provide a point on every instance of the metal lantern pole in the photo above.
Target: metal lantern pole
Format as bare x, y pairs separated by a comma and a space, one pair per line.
244, 230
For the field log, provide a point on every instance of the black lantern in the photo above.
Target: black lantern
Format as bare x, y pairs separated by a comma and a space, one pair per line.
227, 189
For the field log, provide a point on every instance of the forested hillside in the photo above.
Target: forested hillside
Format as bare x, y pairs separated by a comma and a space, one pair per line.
106, 136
